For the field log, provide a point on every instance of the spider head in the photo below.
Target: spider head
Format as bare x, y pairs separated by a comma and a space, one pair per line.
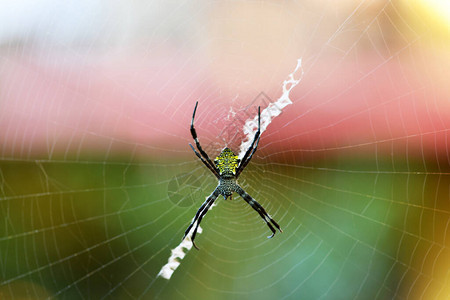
227, 162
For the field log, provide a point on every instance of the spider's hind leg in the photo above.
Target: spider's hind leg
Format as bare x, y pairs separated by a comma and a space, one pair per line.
199, 216
261, 211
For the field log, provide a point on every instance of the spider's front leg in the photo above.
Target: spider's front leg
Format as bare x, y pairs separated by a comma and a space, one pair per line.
252, 149
258, 207
203, 155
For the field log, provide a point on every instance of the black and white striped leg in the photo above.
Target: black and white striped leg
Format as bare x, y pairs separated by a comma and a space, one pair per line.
252, 149
249, 158
197, 142
262, 212
201, 212
204, 162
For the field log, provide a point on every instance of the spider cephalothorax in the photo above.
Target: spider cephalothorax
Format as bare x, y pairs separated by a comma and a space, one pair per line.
227, 167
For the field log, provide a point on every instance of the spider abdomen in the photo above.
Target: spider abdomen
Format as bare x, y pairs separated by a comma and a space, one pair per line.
227, 162
227, 186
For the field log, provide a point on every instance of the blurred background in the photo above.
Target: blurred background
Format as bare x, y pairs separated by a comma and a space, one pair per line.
98, 183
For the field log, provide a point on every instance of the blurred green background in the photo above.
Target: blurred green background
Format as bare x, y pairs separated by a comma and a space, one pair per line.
103, 228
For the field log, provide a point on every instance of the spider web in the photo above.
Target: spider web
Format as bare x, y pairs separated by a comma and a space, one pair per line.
98, 183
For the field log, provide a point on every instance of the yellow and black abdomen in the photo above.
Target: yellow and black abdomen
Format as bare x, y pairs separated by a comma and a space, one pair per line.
227, 162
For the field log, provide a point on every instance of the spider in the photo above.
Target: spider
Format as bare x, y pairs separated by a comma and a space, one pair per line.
227, 167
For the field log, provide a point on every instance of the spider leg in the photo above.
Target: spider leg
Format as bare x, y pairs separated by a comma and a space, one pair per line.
262, 212
197, 143
204, 161
252, 149
206, 209
243, 165
201, 212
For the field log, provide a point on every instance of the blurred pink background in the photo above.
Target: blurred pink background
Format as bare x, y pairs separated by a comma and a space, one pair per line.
128, 76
